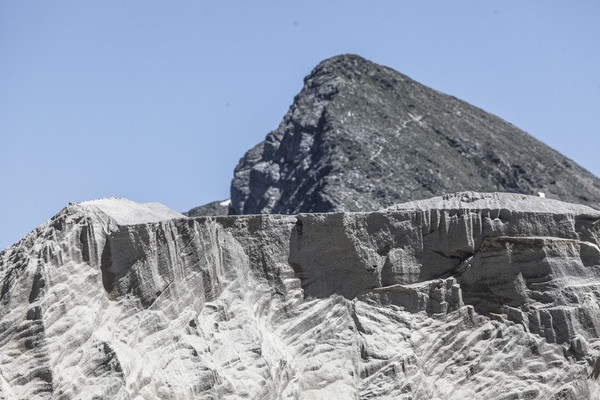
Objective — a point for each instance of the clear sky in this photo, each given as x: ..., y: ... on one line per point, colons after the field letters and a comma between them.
x: 158, y: 100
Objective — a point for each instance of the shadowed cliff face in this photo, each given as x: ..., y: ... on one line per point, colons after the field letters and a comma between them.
x: 360, y: 137
x: 441, y: 298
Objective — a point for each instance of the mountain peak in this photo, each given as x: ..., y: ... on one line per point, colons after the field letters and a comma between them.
x: 343, y: 62
x: 360, y: 137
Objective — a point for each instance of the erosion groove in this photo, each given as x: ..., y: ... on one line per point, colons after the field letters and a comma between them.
x: 472, y: 295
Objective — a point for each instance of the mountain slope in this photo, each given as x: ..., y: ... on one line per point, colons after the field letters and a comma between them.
x: 360, y: 137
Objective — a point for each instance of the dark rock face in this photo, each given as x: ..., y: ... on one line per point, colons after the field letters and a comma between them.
x: 360, y: 137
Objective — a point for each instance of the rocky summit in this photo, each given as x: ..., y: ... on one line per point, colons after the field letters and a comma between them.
x: 360, y: 136
x: 465, y: 296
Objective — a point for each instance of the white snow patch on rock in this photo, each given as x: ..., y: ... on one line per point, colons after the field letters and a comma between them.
x: 225, y: 203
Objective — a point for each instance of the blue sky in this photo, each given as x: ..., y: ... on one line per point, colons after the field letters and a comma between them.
x: 157, y: 101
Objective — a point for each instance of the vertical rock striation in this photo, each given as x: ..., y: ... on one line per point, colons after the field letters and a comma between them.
x: 463, y: 296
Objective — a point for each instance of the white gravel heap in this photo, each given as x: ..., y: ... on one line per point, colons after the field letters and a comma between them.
x: 469, y: 296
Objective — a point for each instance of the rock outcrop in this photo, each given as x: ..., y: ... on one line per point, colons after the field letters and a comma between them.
x: 483, y: 296
x: 360, y: 137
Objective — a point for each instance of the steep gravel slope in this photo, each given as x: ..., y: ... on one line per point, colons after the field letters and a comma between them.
x: 483, y: 296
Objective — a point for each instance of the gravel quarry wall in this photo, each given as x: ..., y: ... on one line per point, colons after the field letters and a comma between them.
x: 471, y: 295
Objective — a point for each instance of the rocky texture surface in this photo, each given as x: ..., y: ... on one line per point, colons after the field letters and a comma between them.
x: 360, y: 137
x: 482, y: 296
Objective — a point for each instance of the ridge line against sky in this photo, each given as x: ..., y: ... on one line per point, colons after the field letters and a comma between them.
x: 157, y: 102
